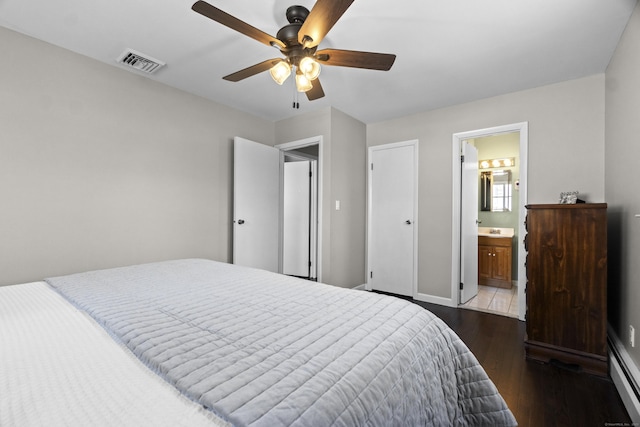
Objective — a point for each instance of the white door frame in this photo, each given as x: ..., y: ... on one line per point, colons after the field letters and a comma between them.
x: 523, y: 129
x: 413, y: 143
x: 293, y: 145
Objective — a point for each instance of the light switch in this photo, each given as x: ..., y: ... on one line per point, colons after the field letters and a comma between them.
x: 337, y: 205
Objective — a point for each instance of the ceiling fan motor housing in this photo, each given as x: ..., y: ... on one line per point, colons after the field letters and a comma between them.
x: 294, y: 51
x: 297, y: 14
x: 289, y: 34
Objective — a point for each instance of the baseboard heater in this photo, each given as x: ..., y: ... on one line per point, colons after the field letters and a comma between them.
x: 625, y: 376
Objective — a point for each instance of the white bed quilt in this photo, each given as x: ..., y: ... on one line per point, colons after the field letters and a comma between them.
x: 258, y: 348
x: 59, y: 368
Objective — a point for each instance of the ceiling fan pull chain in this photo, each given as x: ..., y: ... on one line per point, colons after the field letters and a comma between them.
x: 296, y: 104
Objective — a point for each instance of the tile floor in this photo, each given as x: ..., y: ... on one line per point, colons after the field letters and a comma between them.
x: 495, y: 300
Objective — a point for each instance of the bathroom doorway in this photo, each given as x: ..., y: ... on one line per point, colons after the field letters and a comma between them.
x: 499, y: 203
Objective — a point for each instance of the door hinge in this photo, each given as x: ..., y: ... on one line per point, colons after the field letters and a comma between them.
x: 310, y: 174
x: 371, y: 166
x: 461, y: 286
x: 371, y: 274
x: 462, y: 158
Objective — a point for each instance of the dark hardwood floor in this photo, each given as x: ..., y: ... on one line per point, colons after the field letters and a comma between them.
x: 537, y: 394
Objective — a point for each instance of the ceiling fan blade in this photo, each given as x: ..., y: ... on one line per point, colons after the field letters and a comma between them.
x: 316, y: 91
x: 212, y: 12
x: 356, y: 59
x: 322, y: 17
x: 251, y: 71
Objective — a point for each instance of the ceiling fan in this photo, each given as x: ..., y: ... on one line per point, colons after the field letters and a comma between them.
x: 298, y: 42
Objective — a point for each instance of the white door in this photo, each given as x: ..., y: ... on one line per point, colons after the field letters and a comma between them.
x: 392, y: 218
x: 256, y: 201
x: 469, y: 224
x: 296, y: 225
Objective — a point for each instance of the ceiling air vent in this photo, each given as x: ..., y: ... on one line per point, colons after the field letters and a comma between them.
x: 140, y: 61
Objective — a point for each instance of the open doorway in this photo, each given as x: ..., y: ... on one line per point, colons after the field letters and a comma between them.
x: 497, y: 204
x: 498, y: 207
x: 301, y: 213
x: 299, y: 225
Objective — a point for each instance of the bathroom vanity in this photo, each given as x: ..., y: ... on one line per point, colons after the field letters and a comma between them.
x: 494, y: 256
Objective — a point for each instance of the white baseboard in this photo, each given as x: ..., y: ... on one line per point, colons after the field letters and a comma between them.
x: 420, y: 297
x: 625, y: 375
x: 435, y: 300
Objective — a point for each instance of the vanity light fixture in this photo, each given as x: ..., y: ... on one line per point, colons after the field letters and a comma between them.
x: 497, y: 163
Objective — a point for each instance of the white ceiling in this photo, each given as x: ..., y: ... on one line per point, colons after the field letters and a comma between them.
x: 448, y: 51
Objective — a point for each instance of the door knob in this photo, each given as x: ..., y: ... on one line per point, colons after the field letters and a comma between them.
x: 241, y: 221
x: 408, y: 222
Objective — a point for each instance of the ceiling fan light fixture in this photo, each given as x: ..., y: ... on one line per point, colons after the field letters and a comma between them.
x: 280, y: 72
x: 303, y: 84
x: 309, y: 67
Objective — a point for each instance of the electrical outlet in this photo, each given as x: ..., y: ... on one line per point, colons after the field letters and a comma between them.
x: 632, y: 336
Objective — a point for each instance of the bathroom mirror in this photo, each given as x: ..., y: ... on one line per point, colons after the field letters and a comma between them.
x: 495, y: 191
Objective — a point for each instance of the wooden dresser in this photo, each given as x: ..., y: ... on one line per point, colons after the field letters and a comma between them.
x: 567, y: 285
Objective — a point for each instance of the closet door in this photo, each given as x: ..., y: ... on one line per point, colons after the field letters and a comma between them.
x: 392, y: 233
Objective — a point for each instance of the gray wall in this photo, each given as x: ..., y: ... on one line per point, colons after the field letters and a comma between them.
x: 622, y: 152
x: 349, y: 186
x: 100, y: 167
x: 566, y: 151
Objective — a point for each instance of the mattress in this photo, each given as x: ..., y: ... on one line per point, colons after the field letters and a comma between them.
x: 258, y: 348
x: 58, y: 367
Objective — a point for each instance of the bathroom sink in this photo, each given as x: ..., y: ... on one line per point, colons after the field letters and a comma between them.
x: 495, y: 232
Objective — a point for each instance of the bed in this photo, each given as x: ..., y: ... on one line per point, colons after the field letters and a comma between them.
x: 202, y: 343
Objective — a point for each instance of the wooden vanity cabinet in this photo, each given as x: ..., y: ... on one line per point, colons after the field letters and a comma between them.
x: 567, y: 285
x: 494, y: 261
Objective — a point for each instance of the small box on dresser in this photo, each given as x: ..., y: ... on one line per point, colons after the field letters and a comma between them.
x: 567, y: 285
